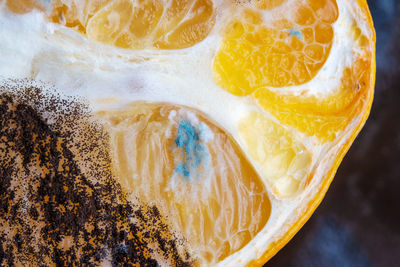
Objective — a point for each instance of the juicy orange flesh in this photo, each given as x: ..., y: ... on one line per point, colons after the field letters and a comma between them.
x: 22, y: 6
x: 289, y: 50
x: 137, y: 24
x: 283, y: 161
x: 325, y: 117
x: 269, y: 4
x: 194, y: 171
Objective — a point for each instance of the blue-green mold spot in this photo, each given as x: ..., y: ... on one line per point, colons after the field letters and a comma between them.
x: 193, y: 152
x: 296, y: 33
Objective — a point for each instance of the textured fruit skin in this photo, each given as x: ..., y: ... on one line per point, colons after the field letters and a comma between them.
x: 273, y: 248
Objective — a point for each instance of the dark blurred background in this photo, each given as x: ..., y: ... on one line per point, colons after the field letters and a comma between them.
x: 358, y: 222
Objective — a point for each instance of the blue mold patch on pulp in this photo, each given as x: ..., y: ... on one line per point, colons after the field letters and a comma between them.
x: 295, y: 33
x: 193, y: 153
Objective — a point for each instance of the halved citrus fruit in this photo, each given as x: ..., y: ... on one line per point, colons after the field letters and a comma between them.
x: 231, y: 117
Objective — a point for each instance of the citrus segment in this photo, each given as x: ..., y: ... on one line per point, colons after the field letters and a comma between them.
x: 323, y: 116
x: 194, y: 171
x: 22, y: 6
x: 75, y: 14
x: 269, y: 4
x: 111, y: 20
x: 137, y: 24
x: 289, y: 50
x: 284, y: 162
x: 198, y: 23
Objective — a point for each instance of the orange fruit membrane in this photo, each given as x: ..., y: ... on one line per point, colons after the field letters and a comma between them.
x: 229, y: 118
x: 141, y: 24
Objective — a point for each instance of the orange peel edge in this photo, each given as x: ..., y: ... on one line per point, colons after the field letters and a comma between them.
x: 276, y: 246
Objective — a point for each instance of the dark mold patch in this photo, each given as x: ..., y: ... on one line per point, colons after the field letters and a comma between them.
x: 60, y: 207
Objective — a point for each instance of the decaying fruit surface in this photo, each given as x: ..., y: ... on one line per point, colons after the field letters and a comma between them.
x: 229, y: 116
x: 194, y: 171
